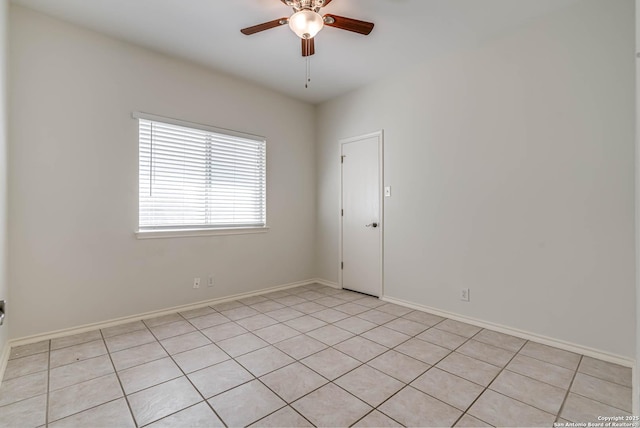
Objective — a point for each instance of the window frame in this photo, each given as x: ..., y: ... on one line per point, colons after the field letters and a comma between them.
x: 184, y: 232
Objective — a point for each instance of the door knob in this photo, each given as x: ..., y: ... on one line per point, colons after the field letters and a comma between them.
x: 371, y: 225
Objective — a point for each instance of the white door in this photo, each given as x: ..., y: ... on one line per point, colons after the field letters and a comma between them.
x: 361, y: 231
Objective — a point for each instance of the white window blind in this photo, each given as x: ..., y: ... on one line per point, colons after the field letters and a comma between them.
x: 195, y: 177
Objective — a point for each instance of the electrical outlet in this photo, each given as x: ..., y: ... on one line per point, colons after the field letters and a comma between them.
x: 210, y: 283
x: 196, y: 282
x: 464, y: 294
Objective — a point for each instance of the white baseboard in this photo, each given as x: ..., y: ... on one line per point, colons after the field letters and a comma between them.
x: 327, y: 283
x: 635, y: 388
x: 123, y: 320
x: 561, y: 344
x: 4, y: 359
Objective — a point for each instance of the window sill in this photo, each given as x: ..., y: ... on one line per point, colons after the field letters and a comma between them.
x: 189, y: 233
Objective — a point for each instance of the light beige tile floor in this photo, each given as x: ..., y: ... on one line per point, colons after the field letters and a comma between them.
x: 307, y: 356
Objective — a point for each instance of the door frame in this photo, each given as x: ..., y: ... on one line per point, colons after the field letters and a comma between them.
x: 380, y: 136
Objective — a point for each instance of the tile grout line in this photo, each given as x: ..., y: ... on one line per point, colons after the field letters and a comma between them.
x: 77, y: 383
x: 566, y: 396
x: 533, y: 378
x: 575, y: 373
x: 432, y: 366
x: 80, y: 361
x: 176, y: 412
x: 370, y: 412
x: 598, y: 401
x: 408, y: 384
x: 562, y: 367
x: 464, y: 412
x: 329, y: 381
x: 135, y: 365
x: 601, y: 379
x: 187, y: 378
x: 124, y: 395
x: 528, y: 404
x: 88, y: 408
x: 490, y: 383
x: 46, y: 393
x: 547, y: 362
x: 287, y: 404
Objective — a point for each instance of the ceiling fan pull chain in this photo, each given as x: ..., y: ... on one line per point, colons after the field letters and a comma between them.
x: 308, y: 75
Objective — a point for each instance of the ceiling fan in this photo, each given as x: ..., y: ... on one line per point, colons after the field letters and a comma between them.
x: 306, y: 22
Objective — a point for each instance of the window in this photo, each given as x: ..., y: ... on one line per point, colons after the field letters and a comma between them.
x: 199, y: 177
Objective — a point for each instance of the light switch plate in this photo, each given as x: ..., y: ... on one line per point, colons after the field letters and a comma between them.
x: 387, y: 191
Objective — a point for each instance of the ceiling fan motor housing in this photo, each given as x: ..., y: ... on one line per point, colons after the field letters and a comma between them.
x: 298, y: 5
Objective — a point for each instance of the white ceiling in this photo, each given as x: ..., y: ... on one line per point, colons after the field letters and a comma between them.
x: 207, y: 32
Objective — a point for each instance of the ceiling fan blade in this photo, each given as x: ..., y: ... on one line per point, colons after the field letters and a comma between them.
x: 308, y: 47
x: 326, y: 2
x: 360, y: 27
x: 264, y: 26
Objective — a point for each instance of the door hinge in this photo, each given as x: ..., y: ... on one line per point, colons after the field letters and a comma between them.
x: 341, y: 265
x: 342, y: 158
x: 342, y: 213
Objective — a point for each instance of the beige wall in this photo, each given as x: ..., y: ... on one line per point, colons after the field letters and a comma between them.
x: 73, y: 202
x: 512, y: 174
x: 4, y: 286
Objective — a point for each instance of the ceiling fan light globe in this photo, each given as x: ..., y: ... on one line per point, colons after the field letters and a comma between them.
x: 306, y: 23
